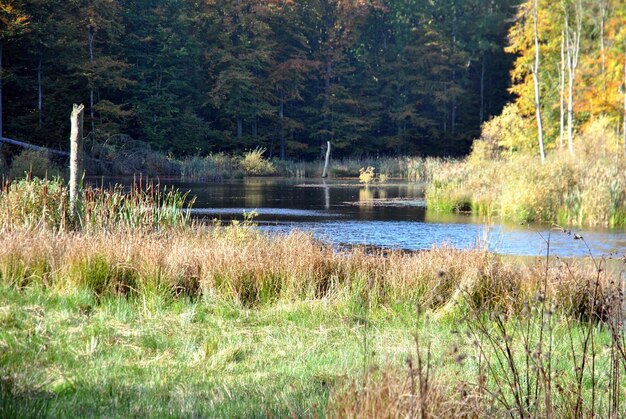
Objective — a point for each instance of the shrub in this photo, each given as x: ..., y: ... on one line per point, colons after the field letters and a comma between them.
x: 35, y: 163
x: 253, y: 163
x: 367, y: 176
x: 506, y: 133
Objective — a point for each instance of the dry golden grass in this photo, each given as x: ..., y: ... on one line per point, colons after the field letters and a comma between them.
x: 241, y: 264
x: 396, y: 393
x: 571, y: 191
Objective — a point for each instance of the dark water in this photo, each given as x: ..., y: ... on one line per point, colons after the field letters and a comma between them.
x: 392, y: 215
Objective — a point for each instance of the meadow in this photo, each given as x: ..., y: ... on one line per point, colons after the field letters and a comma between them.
x: 130, y: 308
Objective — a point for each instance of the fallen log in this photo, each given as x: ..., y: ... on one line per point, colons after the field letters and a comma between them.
x: 34, y: 147
x: 46, y: 149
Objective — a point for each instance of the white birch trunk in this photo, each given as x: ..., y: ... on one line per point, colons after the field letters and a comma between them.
x: 562, y: 93
x: 536, y: 83
x: 1, y: 69
x: 603, y: 11
x: 573, y: 48
x: 624, y: 117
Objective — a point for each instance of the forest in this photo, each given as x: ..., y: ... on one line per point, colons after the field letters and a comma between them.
x: 375, y: 77
x: 188, y: 77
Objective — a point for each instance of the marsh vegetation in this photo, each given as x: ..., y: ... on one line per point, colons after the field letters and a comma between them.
x: 144, y: 312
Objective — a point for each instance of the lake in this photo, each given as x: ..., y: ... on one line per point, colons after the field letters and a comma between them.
x: 393, y: 215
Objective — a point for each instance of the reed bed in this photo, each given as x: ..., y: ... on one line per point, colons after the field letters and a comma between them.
x: 35, y: 203
x: 580, y: 192
x: 238, y: 263
x: 221, y: 166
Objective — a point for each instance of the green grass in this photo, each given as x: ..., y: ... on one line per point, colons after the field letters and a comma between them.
x: 83, y: 355
x: 77, y: 356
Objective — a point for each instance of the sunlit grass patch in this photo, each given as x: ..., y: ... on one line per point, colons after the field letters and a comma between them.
x: 566, y: 191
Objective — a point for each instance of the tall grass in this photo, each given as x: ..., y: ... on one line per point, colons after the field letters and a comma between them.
x: 253, y: 163
x: 212, y: 167
x: 42, y: 203
x: 541, y: 361
x: 238, y: 263
x: 564, y: 190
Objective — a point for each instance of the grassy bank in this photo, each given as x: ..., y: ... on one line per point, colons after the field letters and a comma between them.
x: 141, y: 312
x: 227, y: 321
x: 567, y: 191
x: 221, y: 166
x: 254, y: 163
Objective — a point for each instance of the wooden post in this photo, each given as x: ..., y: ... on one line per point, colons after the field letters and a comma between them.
x: 325, y: 173
x: 76, y: 155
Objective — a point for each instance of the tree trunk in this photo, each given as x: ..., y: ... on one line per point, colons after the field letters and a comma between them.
x: 453, y: 107
x: 90, y: 36
x: 76, y: 157
x: 573, y: 47
x: 281, y: 114
x: 46, y: 149
x: 34, y: 147
x: 40, y: 92
x: 536, y: 83
x: 255, y: 127
x: 562, y: 93
x: 603, y: 11
x: 239, y: 127
x: 1, y: 70
x: 325, y: 172
x: 624, y: 121
x: 482, y: 90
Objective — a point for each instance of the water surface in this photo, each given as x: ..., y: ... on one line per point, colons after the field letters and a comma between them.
x: 394, y: 215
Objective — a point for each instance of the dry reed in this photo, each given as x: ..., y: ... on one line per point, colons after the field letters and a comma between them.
x: 242, y: 264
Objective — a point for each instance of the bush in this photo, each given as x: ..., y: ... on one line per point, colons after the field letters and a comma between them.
x: 253, y: 163
x: 36, y: 163
x: 504, y: 134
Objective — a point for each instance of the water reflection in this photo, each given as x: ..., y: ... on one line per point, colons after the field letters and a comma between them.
x: 326, y: 195
x: 392, y: 215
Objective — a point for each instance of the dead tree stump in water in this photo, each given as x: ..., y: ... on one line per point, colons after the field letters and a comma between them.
x: 325, y: 173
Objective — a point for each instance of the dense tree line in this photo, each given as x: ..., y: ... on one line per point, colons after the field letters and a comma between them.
x: 199, y: 76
